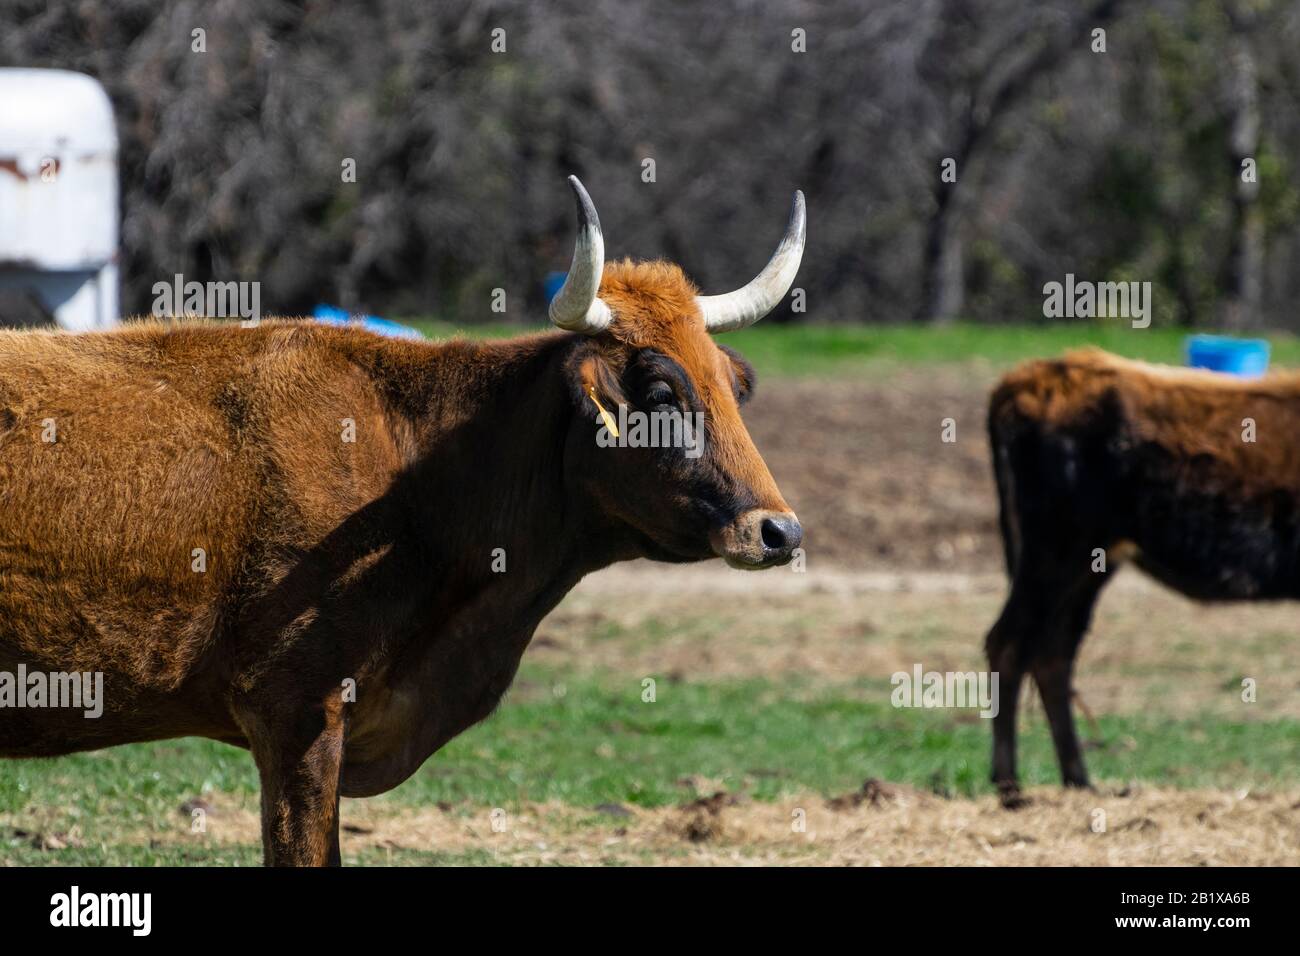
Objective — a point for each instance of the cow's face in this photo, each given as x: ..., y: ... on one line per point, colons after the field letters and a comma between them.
x: 683, y: 473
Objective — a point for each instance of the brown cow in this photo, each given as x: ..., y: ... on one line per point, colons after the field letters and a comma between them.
x: 1193, y: 476
x: 181, y: 510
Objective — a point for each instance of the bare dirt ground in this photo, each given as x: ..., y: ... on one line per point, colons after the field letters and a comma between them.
x: 878, y: 825
x: 863, y: 463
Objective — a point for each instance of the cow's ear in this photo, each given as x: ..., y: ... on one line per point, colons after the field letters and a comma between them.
x: 742, y: 374
x: 593, y: 374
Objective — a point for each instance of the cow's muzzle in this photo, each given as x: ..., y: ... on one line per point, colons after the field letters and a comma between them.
x: 758, y: 539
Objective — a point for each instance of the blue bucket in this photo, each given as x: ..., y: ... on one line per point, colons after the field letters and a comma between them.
x: 1246, y: 358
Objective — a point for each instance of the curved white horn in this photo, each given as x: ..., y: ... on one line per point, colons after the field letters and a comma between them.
x: 745, y: 306
x: 576, y: 306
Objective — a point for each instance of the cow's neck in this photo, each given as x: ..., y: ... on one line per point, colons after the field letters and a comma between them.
x: 488, y: 461
x: 496, y: 531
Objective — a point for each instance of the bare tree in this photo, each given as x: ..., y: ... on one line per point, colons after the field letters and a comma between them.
x: 991, y: 72
x: 1240, y: 305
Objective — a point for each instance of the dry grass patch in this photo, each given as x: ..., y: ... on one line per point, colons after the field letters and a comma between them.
x: 880, y: 825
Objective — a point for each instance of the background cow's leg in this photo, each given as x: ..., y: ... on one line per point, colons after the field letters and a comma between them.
x: 1053, y: 669
x: 299, y: 759
x: 1040, y: 629
x: 1006, y: 657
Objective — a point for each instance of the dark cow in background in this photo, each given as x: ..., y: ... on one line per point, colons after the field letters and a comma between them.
x: 1193, y: 476
x: 323, y: 561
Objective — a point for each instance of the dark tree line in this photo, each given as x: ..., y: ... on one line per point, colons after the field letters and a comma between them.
x: 1123, y: 164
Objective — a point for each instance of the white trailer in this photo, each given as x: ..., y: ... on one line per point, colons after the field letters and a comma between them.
x: 58, y: 200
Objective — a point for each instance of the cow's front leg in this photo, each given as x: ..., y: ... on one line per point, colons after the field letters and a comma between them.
x: 299, y: 757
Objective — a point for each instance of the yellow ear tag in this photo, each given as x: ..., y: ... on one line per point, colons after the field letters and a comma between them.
x: 605, y: 416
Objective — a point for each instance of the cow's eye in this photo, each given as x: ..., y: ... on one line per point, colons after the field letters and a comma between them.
x: 659, y: 393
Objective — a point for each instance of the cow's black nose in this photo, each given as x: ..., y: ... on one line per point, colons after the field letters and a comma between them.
x: 758, y: 539
x: 781, y: 533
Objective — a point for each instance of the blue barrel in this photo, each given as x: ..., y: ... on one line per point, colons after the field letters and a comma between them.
x: 332, y: 315
x: 1246, y: 358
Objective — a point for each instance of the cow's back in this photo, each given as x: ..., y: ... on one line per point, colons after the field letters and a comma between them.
x: 1197, y: 474
x: 154, y: 479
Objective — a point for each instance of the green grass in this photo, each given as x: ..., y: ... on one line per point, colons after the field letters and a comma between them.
x: 600, y: 743
x: 807, y: 350
x: 585, y: 741
x: 597, y: 742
